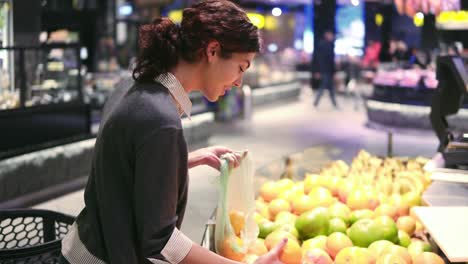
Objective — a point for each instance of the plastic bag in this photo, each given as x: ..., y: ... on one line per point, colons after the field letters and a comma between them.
x: 237, y: 203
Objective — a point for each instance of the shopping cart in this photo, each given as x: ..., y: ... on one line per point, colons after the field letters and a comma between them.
x: 32, y: 236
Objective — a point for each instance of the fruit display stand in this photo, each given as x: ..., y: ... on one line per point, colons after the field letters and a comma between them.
x: 442, y: 193
x: 447, y: 227
x: 446, y: 217
x: 335, y: 212
x: 450, y: 175
x: 402, y: 98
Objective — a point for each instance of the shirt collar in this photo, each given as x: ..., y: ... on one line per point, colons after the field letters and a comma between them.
x: 182, y: 100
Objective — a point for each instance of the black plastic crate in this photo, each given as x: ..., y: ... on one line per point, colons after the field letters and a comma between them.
x: 32, y: 236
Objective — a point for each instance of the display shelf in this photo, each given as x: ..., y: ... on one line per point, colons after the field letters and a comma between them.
x: 317, y: 160
x: 442, y: 193
x: 47, y: 80
x: 449, y: 186
x: 399, y: 115
x: 447, y: 227
x: 450, y: 175
x: 403, y: 97
x: 271, y: 69
x: 261, y: 96
x: 45, y: 74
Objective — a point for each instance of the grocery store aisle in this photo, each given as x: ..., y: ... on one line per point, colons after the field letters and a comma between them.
x: 275, y: 131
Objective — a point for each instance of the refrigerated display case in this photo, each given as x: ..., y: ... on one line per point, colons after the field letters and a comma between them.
x: 8, y: 98
x: 273, y: 78
x: 271, y: 69
x: 43, y: 105
x: 401, y: 98
x: 44, y: 75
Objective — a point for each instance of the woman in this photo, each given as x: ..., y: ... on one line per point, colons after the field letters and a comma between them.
x: 137, y: 191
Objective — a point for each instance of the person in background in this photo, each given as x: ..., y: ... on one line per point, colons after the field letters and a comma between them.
x: 453, y: 50
x: 401, y: 52
x: 418, y: 58
x: 392, y: 49
x: 371, y: 55
x: 136, y: 195
x: 371, y: 60
x: 353, y: 72
x: 325, y: 56
x: 106, y: 55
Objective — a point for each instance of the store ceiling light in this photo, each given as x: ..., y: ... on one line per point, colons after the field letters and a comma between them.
x: 84, y: 53
x: 176, y: 16
x: 272, y: 47
x: 355, y: 2
x: 308, y: 41
x: 418, y: 19
x: 271, y: 23
x: 298, y: 44
x: 453, y: 20
x: 125, y: 10
x: 276, y: 11
x: 257, y: 19
x: 43, y: 37
x: 379, y: 19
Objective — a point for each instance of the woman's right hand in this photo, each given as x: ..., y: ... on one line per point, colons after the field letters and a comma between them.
x: 273, y: 257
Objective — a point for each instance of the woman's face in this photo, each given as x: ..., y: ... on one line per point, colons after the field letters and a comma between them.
x: 221, y: 74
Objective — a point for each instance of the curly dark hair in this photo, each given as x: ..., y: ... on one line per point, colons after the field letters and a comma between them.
x: 163, y: 43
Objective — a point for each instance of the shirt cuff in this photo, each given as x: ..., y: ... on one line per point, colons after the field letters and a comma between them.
x: 177, y: 247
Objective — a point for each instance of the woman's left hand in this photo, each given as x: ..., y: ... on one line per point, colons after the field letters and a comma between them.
x: 211, y: 156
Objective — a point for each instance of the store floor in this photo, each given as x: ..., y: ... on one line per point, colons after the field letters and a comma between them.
x: 275, y: 131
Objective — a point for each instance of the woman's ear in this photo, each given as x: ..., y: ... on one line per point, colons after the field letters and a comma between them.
x: 212, y: 50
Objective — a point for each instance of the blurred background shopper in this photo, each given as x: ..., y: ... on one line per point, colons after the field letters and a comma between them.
x: 326, y: 65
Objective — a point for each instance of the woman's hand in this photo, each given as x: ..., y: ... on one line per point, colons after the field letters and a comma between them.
x: 273, y: 257
x: 211, y: 156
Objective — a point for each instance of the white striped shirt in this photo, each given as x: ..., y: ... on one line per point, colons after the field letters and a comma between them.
x: 179, y: 245
x: 182, y: 100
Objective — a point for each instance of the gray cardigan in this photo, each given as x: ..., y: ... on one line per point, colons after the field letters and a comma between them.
x: 137, y: 191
